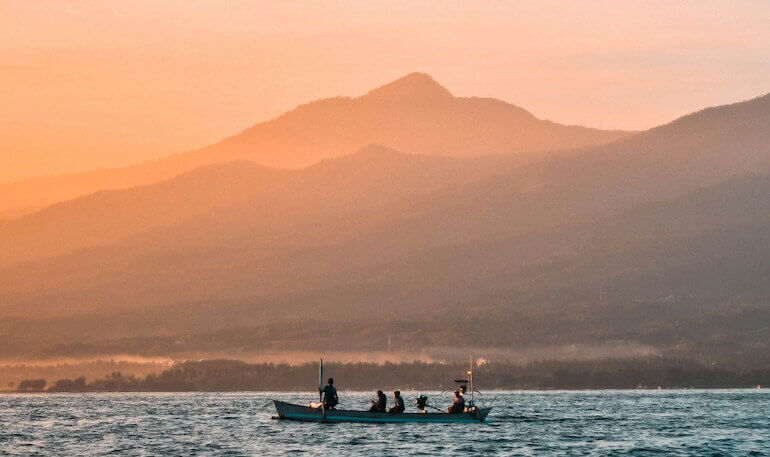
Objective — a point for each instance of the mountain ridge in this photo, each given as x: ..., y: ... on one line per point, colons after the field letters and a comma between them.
x: 412, y: 114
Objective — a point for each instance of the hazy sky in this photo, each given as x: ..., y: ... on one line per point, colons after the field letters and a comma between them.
x: 100, y: 83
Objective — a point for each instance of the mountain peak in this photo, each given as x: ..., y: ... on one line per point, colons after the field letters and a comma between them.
x: 411, y: 86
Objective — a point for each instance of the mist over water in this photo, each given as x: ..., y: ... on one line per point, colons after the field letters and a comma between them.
x: 683, y: 422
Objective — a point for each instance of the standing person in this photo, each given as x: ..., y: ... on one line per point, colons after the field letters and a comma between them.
x: 330, y: 395
x: 398, y: 403
x: 379, y: 404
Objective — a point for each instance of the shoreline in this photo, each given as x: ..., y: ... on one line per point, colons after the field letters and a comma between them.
x: 237, y: 376
x: 312, y: 392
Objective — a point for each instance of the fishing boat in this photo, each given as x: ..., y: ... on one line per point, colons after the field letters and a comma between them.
x: 316, y: 413
x: 306, y: 413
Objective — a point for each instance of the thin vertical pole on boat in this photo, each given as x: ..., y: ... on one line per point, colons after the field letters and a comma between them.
x: 321, y: 381
x: 470, y: 375
x: 321, y: 386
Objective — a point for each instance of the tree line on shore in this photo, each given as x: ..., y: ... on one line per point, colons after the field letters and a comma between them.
x: 234, y: 375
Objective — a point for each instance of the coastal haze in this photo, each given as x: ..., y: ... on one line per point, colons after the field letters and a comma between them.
x: 402, y: 220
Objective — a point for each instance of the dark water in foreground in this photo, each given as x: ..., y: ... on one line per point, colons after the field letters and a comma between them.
x: 606, y: 423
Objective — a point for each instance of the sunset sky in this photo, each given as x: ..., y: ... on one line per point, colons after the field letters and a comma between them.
x: 87, y: 84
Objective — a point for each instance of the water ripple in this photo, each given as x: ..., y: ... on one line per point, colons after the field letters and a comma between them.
x: 588, y: 423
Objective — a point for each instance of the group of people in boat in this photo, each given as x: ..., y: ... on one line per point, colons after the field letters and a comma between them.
x: 379, y: 404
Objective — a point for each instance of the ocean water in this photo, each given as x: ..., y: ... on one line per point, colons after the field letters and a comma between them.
x: 601, y: 423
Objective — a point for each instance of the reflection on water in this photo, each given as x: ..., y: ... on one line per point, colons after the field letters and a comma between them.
x: 523, y: 423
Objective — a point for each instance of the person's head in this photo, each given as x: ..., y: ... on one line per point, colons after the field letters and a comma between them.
x: 379, y: 392
x: 331, y: 381
x: 397, y: 394
x: 457, y: 393
x: 463, y: 388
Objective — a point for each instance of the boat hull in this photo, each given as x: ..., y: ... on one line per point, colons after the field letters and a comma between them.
x: 305, y: 413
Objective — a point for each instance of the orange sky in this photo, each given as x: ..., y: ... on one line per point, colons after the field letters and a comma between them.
x: 88, y: 84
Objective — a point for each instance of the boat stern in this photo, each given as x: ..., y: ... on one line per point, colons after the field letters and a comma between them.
x: 482, y: 413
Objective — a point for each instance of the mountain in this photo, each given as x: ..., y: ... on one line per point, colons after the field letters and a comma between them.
x: 110, y: 215
x: 693, y: 293
x: 658, y: 239
x: 413, y: 114
x: 373, y: 175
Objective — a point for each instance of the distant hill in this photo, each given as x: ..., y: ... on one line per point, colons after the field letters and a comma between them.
x: 658, y: 240
x: 413, y: 114
x: 375, y: 175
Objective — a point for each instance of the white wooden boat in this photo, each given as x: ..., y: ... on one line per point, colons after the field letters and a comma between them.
x: 305, y: 413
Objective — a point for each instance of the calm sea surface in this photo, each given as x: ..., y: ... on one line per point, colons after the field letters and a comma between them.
x: 606, y: 423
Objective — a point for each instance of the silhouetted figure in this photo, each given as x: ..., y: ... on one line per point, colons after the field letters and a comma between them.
x: 379, y: 404
x: 421, y: 402
x: 330, y: 395
x: 459, y: 404
x: 463, y: 390
x: 398, y: 403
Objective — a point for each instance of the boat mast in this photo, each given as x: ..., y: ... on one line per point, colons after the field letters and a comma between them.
x: 470, y: 375
x: 320, y: 380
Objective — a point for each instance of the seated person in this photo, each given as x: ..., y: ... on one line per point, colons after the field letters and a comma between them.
x: 379, y: 404
x: 330, y: 399
x: 398, y: 402
x: 421, y: 402
x: 463, y: 389
x: 459, y: 404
